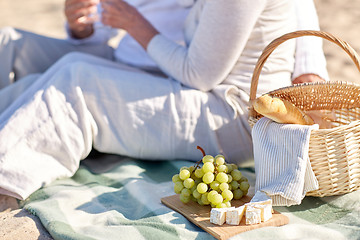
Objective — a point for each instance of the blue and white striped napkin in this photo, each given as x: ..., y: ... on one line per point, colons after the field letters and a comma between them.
x: 282, y: 166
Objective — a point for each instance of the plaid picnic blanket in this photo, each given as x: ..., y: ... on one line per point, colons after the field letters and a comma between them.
x: 113, y: 197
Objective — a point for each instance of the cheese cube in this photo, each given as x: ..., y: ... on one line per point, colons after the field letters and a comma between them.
x: 218, y: 216
x: 252, y: 215
x: 266, y: 211
x: 234, y: 216
x: 262, y: 202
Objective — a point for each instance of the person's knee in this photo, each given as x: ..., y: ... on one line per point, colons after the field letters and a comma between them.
x: 75, y: 67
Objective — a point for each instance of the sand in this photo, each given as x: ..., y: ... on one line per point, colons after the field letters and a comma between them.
x: 340, y: 18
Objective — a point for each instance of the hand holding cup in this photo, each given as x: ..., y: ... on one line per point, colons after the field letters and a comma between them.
x: 80, y: 15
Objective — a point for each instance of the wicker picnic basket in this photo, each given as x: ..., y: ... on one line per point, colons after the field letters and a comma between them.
x: 334, y: 152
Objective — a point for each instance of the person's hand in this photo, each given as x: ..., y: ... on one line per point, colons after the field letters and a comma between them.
x: 76, y: 12
x: 308, y: 78
x: 120, y: 14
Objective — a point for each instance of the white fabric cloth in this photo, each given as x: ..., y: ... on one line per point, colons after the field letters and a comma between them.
x: 309, y: 57
x: 282, y: 165
x: 23, y: 53
x: 69, y: 110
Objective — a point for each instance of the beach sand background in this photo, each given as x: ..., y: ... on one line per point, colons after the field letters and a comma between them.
x: 341, y: 18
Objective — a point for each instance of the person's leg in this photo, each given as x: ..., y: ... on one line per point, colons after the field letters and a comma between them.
x: 10, y: 93
x: 76, y: 105
x: 23, y: 53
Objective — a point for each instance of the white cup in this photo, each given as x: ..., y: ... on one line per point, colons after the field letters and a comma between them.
x: 95, y: 15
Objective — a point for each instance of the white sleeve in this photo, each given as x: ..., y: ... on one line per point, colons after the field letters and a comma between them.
x: 214, y: 49
x: 309, y: 56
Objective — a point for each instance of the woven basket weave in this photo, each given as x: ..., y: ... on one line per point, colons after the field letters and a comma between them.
x: 334, y: 152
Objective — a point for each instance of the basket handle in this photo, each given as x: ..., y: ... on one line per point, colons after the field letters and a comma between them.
x: 275, y: 43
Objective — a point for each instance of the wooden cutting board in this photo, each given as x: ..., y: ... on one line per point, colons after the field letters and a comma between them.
x: 200, y: 216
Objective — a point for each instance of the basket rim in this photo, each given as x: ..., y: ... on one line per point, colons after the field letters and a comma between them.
x: 310, y: 84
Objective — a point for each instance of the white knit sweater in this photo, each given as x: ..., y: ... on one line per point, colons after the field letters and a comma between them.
x: 223, y: 47
x: 309, y: 55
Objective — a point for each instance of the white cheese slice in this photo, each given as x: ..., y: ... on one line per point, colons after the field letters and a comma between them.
x: 252, y: 215
x: 218, y: 216
x: 266, y: 212
x: 234, y: 216
x: 264, y: 203
x: 261, y: 198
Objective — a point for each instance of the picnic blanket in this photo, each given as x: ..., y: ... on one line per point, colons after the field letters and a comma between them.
x: 114, y: 197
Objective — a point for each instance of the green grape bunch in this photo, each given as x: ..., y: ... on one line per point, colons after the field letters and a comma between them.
x: 211, y: 181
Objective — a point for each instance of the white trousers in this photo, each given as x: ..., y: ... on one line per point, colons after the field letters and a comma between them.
x: 23, y: 53
x: 83, y: 102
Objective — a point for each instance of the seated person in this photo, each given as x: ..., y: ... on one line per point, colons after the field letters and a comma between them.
x: 84, y: 102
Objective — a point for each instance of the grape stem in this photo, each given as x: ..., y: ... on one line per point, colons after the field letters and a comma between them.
x: 202, y: 150
x: 198, y: 162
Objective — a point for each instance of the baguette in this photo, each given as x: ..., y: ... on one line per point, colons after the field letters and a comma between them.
x: 281, y: 111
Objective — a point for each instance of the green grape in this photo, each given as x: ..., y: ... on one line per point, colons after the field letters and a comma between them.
x: 204, y: 199
x: 199, y: 173
x: 208, y: 158
x: 184, y: 199
x: 178, y: 186
x: 234, y: 185
x: 221, y: 205
x: 238, y: 193
x: 227, y: 195
x: 211, y: 195
x: 229, y: 178
x: 200, y: 202
x: 217, y: 199
x: 196, y: 194
x: 230, y: 168
x: 222, y: 177
x: 208, y: 177
x: 184, y: 174
x: 236, y: 175
x: 243, y: 179
x: 215, y: 185
x: 192, y: 175
x: 224, y: 186
x: 197, y: 181
x: 234, y: 166
x: 185, y: 192
x: 189, y: 183
x: 208, y: 167
x: 220, y: 160
x: 244, y: 186
x: 222, y: 168
x: 224, y: 180
x: 176, y: 178
x: 183, y: 168
x: 245, y: 192
x: 202, y: 188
